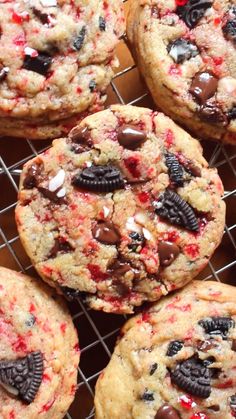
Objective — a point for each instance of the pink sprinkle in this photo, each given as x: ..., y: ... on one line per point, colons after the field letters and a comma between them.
x: 63, y: 327
x: 169, y: 138
x: 19, y: 40
x: 175, y: 70
x: 131, y: 163
x: 187, y: 402
x: 192, y: 250
x: 143, y: 197
x: 19, y: 345
x: 96, y: 273
x: 47, y: 406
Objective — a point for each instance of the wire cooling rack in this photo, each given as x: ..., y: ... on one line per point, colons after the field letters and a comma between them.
x: 98, y: 331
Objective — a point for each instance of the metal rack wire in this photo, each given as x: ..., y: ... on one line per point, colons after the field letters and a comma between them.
x: 98, y: 331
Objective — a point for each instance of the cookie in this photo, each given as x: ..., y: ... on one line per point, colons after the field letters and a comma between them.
x: 56, y: 61
x: 122, y: 211
x: 186, y: 53
x: 39, y: 351
x: 175, y: 360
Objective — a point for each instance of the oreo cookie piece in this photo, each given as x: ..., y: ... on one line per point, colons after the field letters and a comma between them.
x: 193, y: 11
x: 39, y: 63
x: 193, y: 377
x: 99, y: 179
x: 174, y: 347
x: 71, y: 294
x: 232, y: 402
x: 78, y: 42
x: 172, y: 207
x: 182, y: 50
x: 23, y: 376
x: 217, y: 326
x: 175, y: 170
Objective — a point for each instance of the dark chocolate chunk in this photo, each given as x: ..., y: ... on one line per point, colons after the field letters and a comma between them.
x: 217, y: 326
x: 80, y: 138
x: 234, y: 345
x: 119, y: 268
x: 182, y: 50
x: 92, y: 85
x: 193, y: 377
x: 148, y: 396
x: 24, y: 375
x: 31, y: 320
x: 130, y: 137
x: 192, y: 168
x: 32, y: 176
x: 173, y: 208
x: 175, y: 169
x: 60, y: 246
x: 52, y: 196
x: 78, y: 42
x: 232, y: 402
x: 211, y: 113
x: 102, y: 23
x: 167, y: 412
x: 106, y: 232
x: 43, y: 17
x: 214, y: 407
x: 70, y: 293
x: 204, y: 86
x: 153, y: 368
x: 168, y: 252
x: 174, y: 347
x: 39, y: 64
x: 193, y: 11
x: 137, y: 241
x: 122, y: 288
x: 3, y: 72
x: 99, y: 179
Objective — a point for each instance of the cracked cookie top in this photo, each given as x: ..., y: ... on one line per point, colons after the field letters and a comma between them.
x: 122, y: 211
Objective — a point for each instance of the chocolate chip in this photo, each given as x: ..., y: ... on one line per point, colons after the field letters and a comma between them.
x: 121, y: 288
x: 39, y: 64
x: 214, y: 326
x: 70, y: 293
x: 193, y: 377
x: 32, y: 176
x: 172, y: 207
x: 119, y: 268
x: 24, y: 375
x: 204, y: 86
x: 211, y: 113
x: 234, y: 345
x: 80, y: 137
x: 78, y: 42
x: 153, y: 368
x: 130, y: 137
x: 92, y: 85
x: 60, y: 246
x: 148, y: 396
x: 137, y: 241
x: 52, y: 196
x: 181, y: 50
x: 175, y: 169
x: 193, y: 11
x: 43, y: 17
x: 204, y: 346
x: 168, y: 252
x: 106, y: 233
x: 167, y: 412
x: 99, y: 179
x: 214, y: 407
x: 174, y: 347
x: 3, y: 72
x: 102, y: 23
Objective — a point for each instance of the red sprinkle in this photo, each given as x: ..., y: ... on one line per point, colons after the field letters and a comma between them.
x: 79, y: 90
x: 46, y: 377
x: 12, y: 414
x: 47, y: 406
x: 187, y: 402
x: 143, y: 197
x: 131, y: 164
x: 199, y: 416
x: 19, y: 18
x: 175, y: 70
x: 192, y: 250
x: 19, y: 345
x: 32, y: 308
x: 217, y: 21
x: 218, y: 60
x: 19, y: 40
x: 226, y: 384
x: 181, y: 2
x: 63, y: 327
x: 96, y: 273
x: 169, y: 138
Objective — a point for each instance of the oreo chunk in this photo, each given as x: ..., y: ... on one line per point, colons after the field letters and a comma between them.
x: 182, y: 50
x: 175, y: 170
x: 232, y: 113
x: 174, y: 347
x: 99, y: 179
x: 193, y: 377
x: 148, y: 396
x: 153, y: 368
x: 92, y: 85
x: 229, y: 29
x: 39, y: 64
x: 78, y: 42
x: 23, y: 375
x: 232, y: 402
x: 60, y: 246
x: 32, y: 176
x: 173, y: 208
x: 193, y: 11
x: 137, y: 241
x: 102, y: 23
x: 71, y: 294
x: 214, y: 326
x: 3, y: 72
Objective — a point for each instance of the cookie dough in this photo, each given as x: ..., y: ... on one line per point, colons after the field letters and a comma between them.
x: 175, y: 360
x: 122, y: 211
x: 56, y: 61
x: 39, y: 351
x: 185, y: 50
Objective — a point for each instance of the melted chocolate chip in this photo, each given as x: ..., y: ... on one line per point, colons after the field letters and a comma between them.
x: 204, y: 86
x: 153, y: 368
x: 32, y: 176
x: 130, y: 137
x: 167, y: 412
x: 234, y: 345
x: 106, y: 232
x: 214, y: 407
x: 24, y: 375
x: 102, y: 23
x: 3, y: 72
x: 52, y: 196
x: 60, y: 246
x: 182, y: 50
x: 43, y: 17
x: 78, y: 42
x: 39, y: 64
x: 211, y: 113
x: 204, y: 346
x: 193, y: 11
x: 119, y: 268
x: 79, y: 136
x: 99, y: 179
x: 192, y: 168
x: 168, y: 252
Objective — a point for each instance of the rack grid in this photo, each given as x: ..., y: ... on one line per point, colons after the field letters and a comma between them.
x: 98, y: 331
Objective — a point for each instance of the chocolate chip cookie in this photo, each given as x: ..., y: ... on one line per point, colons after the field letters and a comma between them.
x: 39, y: 351
x: 185, y: 50
x: 175, y: 360
x: 122, y: 211
x: 56, y: 61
